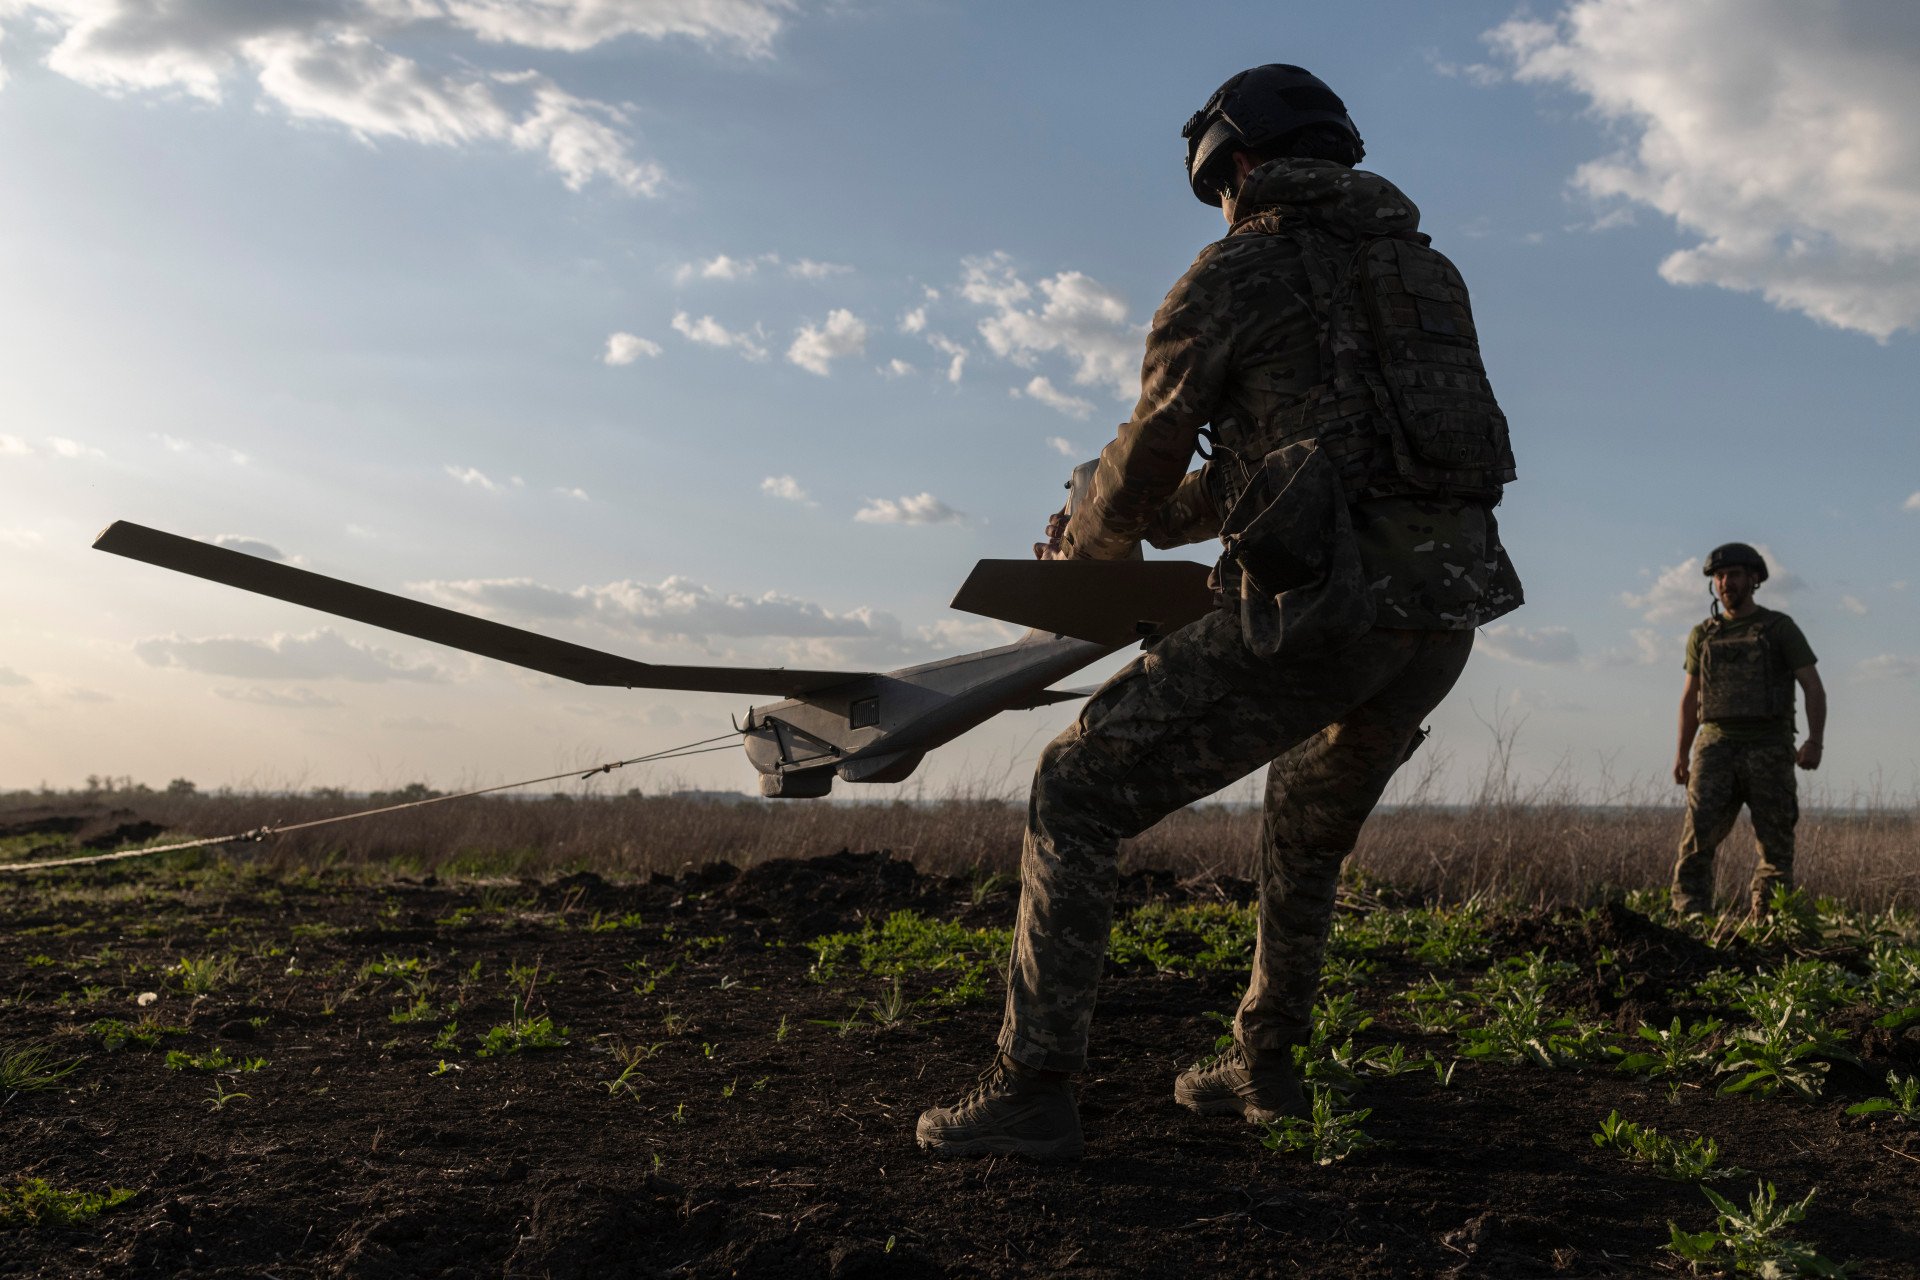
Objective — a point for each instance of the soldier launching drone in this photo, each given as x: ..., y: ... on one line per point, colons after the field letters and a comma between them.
x: 1736, y: 731
x: 1323, y: 358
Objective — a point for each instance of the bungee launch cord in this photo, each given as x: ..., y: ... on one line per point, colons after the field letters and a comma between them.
x: 261, y: 833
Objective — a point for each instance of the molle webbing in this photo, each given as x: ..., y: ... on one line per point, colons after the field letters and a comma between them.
x: 1402, y: 404
x: 1742, y: 676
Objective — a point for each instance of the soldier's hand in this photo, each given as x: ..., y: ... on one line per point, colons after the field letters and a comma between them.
x: 1809, y: 757
x: 1681, y: 772
x: 1056, y: 529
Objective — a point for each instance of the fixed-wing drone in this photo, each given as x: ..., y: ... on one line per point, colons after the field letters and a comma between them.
x: 858, y: 726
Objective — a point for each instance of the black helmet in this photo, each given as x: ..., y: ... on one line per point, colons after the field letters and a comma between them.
x: 1257, y: 107
x: 1729, y: 555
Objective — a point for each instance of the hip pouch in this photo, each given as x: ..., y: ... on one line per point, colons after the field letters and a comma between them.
x: 1289, y: 540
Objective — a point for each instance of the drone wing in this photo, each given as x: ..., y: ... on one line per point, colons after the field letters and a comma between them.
x: 1110, y: 602
x: 445, y: 626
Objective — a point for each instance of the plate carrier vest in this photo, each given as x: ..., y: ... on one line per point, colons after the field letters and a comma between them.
x: 1742, y: 676
x: 1402, y: 404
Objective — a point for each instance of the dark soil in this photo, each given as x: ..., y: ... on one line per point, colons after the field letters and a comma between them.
x: 744, y: 1152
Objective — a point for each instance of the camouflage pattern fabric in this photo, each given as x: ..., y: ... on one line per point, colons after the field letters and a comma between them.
x: 1190, y: 716
x: 1723, y: 776
x: 1236, y: 340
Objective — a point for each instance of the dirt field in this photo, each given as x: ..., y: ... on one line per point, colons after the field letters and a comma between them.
x: 355, y: 1074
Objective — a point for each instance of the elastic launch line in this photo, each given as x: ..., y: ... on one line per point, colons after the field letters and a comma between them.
x: 261, y: 833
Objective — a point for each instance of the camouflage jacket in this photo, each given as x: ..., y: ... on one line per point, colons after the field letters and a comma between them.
x: 1238, y: 337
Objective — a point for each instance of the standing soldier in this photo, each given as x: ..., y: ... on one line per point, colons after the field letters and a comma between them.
x: 1357, y: 452
x: 1736, y: 731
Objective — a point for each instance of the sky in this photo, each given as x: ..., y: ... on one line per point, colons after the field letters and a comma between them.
x: 735, y: 331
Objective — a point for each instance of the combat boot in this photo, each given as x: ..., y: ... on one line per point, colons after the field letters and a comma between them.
x: 1014, y: 1110
x: 1258, y: 1088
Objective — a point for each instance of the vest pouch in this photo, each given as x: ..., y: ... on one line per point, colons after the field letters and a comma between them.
x: 1290, y: 541
x: 1738, y: 676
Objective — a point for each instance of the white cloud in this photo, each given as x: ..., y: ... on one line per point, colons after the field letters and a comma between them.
x: 955, y: 353
x: 1684, y: 591
x: 1043, y: 390
x: 922, y: 508
x: 1781, y: 134
x: 897, y: 368
x: 1649, y: 649
x: 720, y: 267
x: 1548, y: 646
x: 14, y: 446
x: 578, y: 495
x: 625, y: 348
x: 21, y: 538
x: 1479, y: 74
x: 1679, y: 591
x: 1911, y: 504
x: 1889, y: 666
x: 9, y: 678
x: 474, y: 478
x: 248, y: 546
x: 815, y: 348
x: 677, y: 607
x: 1854, y: 605
x: 1079, y: 318
x: 65, y: 448
x: 333, y: 61
x: 319, y: 655
x: 783, y: 487
x: 914, y: 321
x: 808, y: 269
x: 1063, y: 446
x: 709, y: 332
x: 297, y: 698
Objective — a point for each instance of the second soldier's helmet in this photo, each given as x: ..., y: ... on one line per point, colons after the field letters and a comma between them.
x: 1259, y: 106
x: 1731, y: 554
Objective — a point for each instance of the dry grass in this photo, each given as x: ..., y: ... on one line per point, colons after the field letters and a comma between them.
x: 1549, y: 844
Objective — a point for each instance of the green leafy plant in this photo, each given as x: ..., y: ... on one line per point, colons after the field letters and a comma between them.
x: 214, y: 1059
x: 1674, y: 1051
x: 1326, y: 1134
x: 1790, y: 1048
x: 907, y: 943
x: 1693, y: 1162
x: 1904, y: 1102
x: 38, y: 1203
x: 1520, y: 1024
x: 520, y: 1033
x: 1753, y: 1240
x: 222, y: 1096
x: 198, y: 977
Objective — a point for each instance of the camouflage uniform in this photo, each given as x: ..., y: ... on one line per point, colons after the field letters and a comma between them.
x: 1743, y: 760
x: 1236, y: 340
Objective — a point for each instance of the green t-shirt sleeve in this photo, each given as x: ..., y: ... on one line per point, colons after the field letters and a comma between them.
x: 1693, y: 649
x: 1793, y: 645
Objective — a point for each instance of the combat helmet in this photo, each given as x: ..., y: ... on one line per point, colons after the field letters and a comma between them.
x: 1729, y: 555
x: 1257, y: 107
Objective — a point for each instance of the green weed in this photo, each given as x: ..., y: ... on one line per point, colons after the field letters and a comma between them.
x: 1904, y: 1102
x: 31, y: 1067
x: 1520, y: 1024
x: 214, y: 1059
x: 1326, y: 1134
x: 1693, y: 1162
x: 1753, y: 1240
x: 222, y: 1096
x: 907, y: 943
x: 521, y: 1033
x: 205, y: 975
x: 37, y: 1203
x: 1676, y: 1051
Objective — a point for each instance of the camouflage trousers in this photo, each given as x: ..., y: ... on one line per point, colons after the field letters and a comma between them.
x: 1723, y: 776
x: 1190, y: 716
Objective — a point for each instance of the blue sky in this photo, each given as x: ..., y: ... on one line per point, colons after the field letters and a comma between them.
x: 736, y: 330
